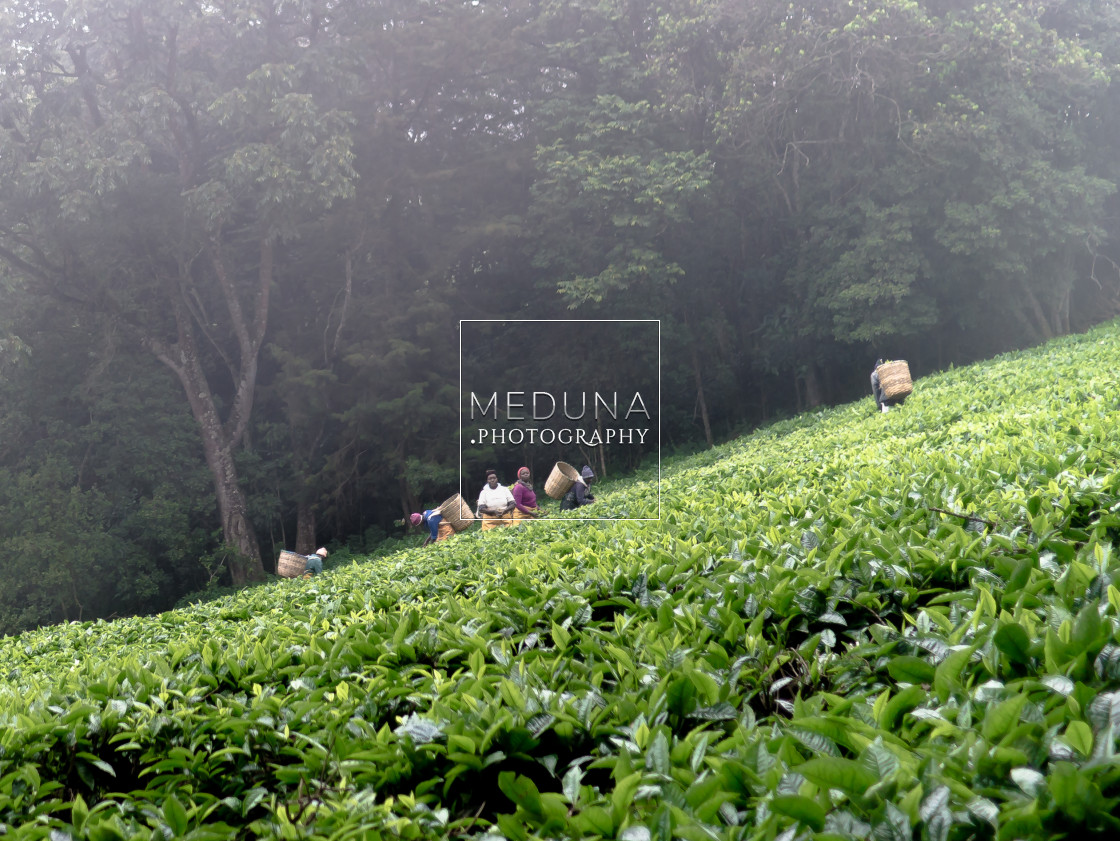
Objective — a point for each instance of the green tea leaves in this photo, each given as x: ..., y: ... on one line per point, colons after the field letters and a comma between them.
x: 832, y: 631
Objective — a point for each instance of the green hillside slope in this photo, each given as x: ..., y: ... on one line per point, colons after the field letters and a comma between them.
x: 848, y: 624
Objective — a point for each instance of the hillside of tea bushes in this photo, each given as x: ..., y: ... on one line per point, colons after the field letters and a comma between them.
x: 845, y: 625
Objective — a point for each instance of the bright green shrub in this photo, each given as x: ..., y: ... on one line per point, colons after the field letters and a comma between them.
x: 845, y: 624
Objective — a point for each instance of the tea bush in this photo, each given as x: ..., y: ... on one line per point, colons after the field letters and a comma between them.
x: 845, y: 625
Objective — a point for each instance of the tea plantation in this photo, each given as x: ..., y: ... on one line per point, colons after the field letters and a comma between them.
x: 845, y: 625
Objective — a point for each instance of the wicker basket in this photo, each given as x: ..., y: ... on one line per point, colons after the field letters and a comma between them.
x: 291, y: 564
x: 561, y: 479
x: 456, y: 513
x: 894, y: 379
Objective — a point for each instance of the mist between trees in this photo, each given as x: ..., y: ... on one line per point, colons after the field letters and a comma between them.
x: 237, y: 238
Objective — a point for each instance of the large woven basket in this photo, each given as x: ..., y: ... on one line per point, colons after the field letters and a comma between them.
x: 561, y: 479
x: 291, y: 564
x: 894, y: 379
x: 456, y: 513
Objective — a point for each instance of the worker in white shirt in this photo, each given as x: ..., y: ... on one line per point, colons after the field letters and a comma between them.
x: 495, y: 503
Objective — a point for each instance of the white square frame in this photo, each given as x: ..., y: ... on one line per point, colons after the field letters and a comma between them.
x: 656, y: 321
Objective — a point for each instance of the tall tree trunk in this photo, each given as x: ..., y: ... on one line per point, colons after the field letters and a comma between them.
x: 602, y: 449
x: 304, y: 447
x: 305, y: 528
x: 1035, y: 315
x: 237, y: 531
x: 812, y: 387
x: 1064, y: 282
x: 217, y: 443
x: 700, y: 401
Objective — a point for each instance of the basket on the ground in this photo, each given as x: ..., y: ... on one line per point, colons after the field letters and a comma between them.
x: 456, y: 513
x: 561, y: 479
x: 894, y: 379
x: 291, y: 564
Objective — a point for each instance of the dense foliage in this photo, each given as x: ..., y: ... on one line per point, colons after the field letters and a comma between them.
x: 845, y: 625
x: 236, y: 237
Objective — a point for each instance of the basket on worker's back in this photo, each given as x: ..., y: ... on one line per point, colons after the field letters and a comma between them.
x: 894, y: 379
x: 561, y: 479
x: 456, y: 512
x: 291, y: 564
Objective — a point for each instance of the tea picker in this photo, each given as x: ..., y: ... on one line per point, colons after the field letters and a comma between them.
x: 451, y: 516
x: 295, y: 565
x: 432, y: 520
x: 315, y: 562
x: 495, y: 503
x: 890, y: 383
x: 580, y: 493
x: 524, y: 497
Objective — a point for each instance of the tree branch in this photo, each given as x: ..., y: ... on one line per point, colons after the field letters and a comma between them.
x: 347, y: 294
x: 86, y: 82
x: 988, y: 523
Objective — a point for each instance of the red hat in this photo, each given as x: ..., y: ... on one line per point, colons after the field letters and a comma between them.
x: 526, y: 469
x: 415, y: 519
